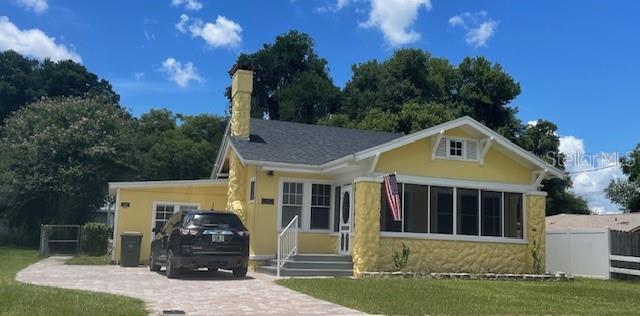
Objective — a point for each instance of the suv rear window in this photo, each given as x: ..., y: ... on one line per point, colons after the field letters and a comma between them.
x: 223, y: 221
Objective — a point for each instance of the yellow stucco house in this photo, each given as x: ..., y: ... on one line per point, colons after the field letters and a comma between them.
x: 470, y: 198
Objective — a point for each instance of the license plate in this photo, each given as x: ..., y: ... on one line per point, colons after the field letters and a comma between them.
x: 217, y: 238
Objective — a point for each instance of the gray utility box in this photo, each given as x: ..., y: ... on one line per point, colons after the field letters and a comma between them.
x: 130, y: 243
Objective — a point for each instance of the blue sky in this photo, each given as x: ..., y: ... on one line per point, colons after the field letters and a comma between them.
x: 576, y: 61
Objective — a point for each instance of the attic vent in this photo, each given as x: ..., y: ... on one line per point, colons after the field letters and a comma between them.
x: 470, y: 149
x: 471, y: 152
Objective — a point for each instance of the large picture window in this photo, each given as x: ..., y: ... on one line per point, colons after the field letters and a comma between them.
x: 438, y: 210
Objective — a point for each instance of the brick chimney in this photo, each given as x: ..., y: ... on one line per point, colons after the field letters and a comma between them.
x: 241, y: 89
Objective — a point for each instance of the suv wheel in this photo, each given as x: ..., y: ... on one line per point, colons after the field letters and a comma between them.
x: 153, y: 266
x: 240, y: 272
x: 172, y: 270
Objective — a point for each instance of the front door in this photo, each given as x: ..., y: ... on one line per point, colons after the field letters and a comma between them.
x: 346, y: 220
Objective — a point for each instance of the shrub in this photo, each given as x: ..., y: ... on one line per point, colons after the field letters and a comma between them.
x: 95, y: 238
x: 400, y: 259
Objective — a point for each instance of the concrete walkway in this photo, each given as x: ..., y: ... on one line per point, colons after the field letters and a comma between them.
x: 196, y: 293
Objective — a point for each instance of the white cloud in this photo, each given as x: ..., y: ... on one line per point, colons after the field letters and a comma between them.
x: 591, y: 173
x: 181, y: 74
x: 480, y: 28
x: 182, y: 24
x: 335, y: 7
x: 532, y: 123
x: 222, y: 33
x: 37, y: 6
x: 395, y: 18
x: 149, y: 36
x: 138, y: 75
x: 191, y: 5
x: 33, y: 42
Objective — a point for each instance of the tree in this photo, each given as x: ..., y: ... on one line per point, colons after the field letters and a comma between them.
x: 56, y: 157
x: 173, y: 146
x: 24, y: 80
x: 626, y: 192
x: 290, y: 64
x: 542, y: 140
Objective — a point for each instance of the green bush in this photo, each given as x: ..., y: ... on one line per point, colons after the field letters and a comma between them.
x: 95, y: 238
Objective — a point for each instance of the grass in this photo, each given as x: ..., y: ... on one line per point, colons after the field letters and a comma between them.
x: 24, y: 299
x: 85, y: 260
x: 466, y: 297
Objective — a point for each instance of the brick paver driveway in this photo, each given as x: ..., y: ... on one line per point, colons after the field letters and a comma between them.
x: 197, y: 293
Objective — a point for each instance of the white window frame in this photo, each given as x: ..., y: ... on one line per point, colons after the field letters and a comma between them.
x: 176, y: 208
x: 455, y: 235
x: 463, y: 140
x: 305, y: 218
x: 463, y: 149
x: 252, y: 183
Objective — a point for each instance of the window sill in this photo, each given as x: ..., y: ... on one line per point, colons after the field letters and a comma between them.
x: 486, y: 239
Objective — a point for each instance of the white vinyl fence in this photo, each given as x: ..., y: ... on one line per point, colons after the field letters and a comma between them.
x: 579, y: 252
x: 593, y: 253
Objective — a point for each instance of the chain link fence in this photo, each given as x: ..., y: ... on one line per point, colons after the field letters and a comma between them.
x: 60, y: 239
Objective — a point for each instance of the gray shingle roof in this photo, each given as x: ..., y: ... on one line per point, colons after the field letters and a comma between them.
x: 297, y: 143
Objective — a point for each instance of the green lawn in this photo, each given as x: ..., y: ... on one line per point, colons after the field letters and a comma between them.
x: 85, y: 260
x: 466, y: 297
x: 23, y: 299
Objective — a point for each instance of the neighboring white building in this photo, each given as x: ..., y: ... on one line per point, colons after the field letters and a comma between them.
x: 624, y: 222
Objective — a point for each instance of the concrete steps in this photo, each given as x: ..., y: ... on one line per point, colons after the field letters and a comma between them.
x: 312, y: 265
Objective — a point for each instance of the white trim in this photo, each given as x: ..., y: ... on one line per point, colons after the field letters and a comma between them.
x: 251, y: 201
x: 467, y: 184
x: 485, y: 149
x: 466, y: 120
x: 624, y: 258
x: 624, y: 271
x: 435, y: 145
x: 538, y: 180
x: 374, y: 163
x: 472, y: 238
x: 161, y: 184
x: 115, y: 226
x: 305, y: 214
x: 174, y: 204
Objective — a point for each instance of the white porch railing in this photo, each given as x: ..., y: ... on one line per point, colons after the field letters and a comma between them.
x: 287, y: 243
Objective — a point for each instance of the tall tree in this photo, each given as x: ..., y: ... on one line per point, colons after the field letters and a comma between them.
x: 626, y: 192
x: 171, y: 146
x: 24, y: 80
x: 542, y: 140
x: 56, y: 157
x: 285, y: 68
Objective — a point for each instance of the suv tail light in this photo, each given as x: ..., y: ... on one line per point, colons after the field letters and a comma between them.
x: 186, y: 231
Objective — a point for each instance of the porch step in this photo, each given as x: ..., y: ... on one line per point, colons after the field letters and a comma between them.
x: 312, y: 265
x: 304, y: 272
x: 323, y: 257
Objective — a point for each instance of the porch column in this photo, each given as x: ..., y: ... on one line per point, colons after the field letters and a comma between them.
x: 535, y: 208
x: 366, y: 234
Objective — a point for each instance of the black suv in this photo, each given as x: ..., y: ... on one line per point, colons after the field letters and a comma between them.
x: 196, y: 239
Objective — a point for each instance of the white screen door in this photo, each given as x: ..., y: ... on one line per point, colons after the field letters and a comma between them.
x: 346, y: 220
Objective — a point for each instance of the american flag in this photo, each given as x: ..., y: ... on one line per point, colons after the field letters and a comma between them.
x: 393, y: 196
